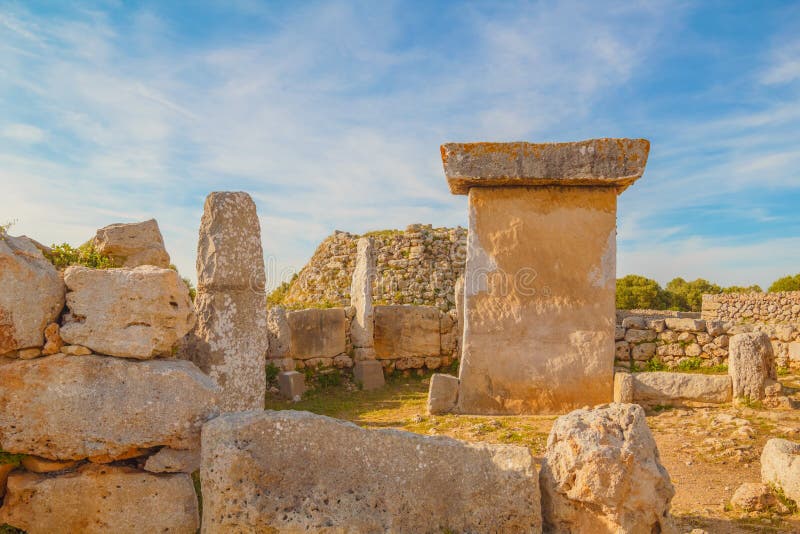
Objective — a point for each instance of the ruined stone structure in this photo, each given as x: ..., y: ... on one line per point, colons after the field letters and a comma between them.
x: 770, y: 308
x: 417, y: 266
x: 541, y: 269
x: 230, y: 340
x: 104, y: 422
x: 675, y: 341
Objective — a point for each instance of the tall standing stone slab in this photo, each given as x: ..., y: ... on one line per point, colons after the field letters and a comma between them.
x: 540, y: 274
x: 230, y: 341
x: 361, y: 328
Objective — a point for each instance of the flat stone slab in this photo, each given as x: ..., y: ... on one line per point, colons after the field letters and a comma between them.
x: 665, y: 387
x: 596, y: 162
x: 407, y: 331
x: 293, y: 471
x: 316, y: 333
x: 100, y: 499
x: 73, y: 407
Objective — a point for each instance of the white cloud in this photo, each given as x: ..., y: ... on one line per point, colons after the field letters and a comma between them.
x: 24, y: 133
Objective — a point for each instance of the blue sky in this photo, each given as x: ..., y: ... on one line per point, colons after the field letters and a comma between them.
x: 331, y: 115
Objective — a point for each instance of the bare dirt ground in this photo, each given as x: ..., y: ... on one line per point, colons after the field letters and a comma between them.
x: 708, y: 452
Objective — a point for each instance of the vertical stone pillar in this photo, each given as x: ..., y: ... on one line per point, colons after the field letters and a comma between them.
x: 362, y: 329
x: 230, y: 340
x: 540, y: 275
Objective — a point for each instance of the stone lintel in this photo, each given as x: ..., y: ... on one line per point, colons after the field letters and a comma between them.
x: 594, y: 163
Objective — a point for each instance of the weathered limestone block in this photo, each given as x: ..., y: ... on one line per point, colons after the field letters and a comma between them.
x: 32, y: 294
x: 133, y: 244
x: 101, y: 499
x: 685, y: 325
x: 317, y: 333
x: 229, y: 253
x: 644, y: 352
x: 344, y: 478
x: 751, y: 362
x: 369, y: 373
x: 753, y: 497
x: 780, y: 466
x: 567, y: 313
x: 601, y: 473
x: 73, y: 407
x: 666, y: 388
x: 364, y: 275
x: 442, y: 394
x: 278, y: 333
x: 132, y: 313
x: 613, y: 163
x: 406, y: 331
x: 634, y: 322
x: 794, y: 352
x: 169, y: 460
x: 623, y: 387
x: 292, y: 385
x: 640, y: 336
x: 230, y: 344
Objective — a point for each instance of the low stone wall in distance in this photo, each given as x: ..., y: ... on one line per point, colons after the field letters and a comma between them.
x: 772, y: 308
x: 676, y: 341
x: 406, y: 337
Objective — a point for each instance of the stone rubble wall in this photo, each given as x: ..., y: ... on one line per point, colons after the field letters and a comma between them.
x: 675, y: 340
x: 417, y: 266
x: 406, y: 338
x: 771, y: 308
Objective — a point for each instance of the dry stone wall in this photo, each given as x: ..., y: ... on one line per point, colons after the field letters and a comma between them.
x: 407, y: 338
x: 674, y: 341
x: 417, y: 266
x: 772, y: 308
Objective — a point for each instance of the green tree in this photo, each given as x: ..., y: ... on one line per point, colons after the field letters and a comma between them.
x: 742, y: 289
x: 787, y: 283
x: 638, y: 292
x: 688, y: 296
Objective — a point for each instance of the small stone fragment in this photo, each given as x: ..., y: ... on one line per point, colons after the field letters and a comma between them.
x: 53, y: 341
x: 169, y: 460
x: 75, y: 350
x: 37, y: 464
x: 442, y: 394
x: 753, y: 497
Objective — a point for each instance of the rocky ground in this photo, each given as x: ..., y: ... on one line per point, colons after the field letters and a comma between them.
x: 709, y: 452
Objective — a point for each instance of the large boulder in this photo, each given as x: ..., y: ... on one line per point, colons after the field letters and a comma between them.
x: 751, y: 362
x: 300, y: 472
x: 133, y: 244
x: 780, y: 466
x: 601, y: 473
x: 672, y: 388
x: 132, y: 313
x: 101, y: 499
x: 72, y: 407
x: 406, y: 331
x: 32, y: 294
x: 317, y: 333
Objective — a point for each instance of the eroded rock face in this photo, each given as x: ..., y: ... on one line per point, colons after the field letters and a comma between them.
x: 32, y: 294
x: 101, y: 499
x: 780, y: 466
x: 73, y: 407
x: 602, y: 473
x: 257, y: 476
x: 132, y: 313
x: 133, y: 244
x: 751, y: 362
x: 407, y: 332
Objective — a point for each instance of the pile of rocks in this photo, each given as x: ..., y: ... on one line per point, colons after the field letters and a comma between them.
x: 102, y: 423
x: 782, y: 307
x: 676, y: 340
x: 417, y: 266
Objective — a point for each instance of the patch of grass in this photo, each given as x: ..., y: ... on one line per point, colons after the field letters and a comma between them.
x: 198, y: 491
x: 658, y: 408
x: 9, y: 458
x: 8, y: 529
x: 689, y: 364
x: 786, y: 501
x: 783, y: 371
x: 64, y: 255
x: 655, y: 364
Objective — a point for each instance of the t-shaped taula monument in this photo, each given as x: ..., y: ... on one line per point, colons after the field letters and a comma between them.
x: 540, y: 274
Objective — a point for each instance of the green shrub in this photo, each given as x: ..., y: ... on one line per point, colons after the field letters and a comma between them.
x: 654, y: 364
x: 688, y: 296
x: 272, y: 372
x: 9, y: 458
x: 64, y: 255
x: 638, y: 292
x: 689, y: 364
